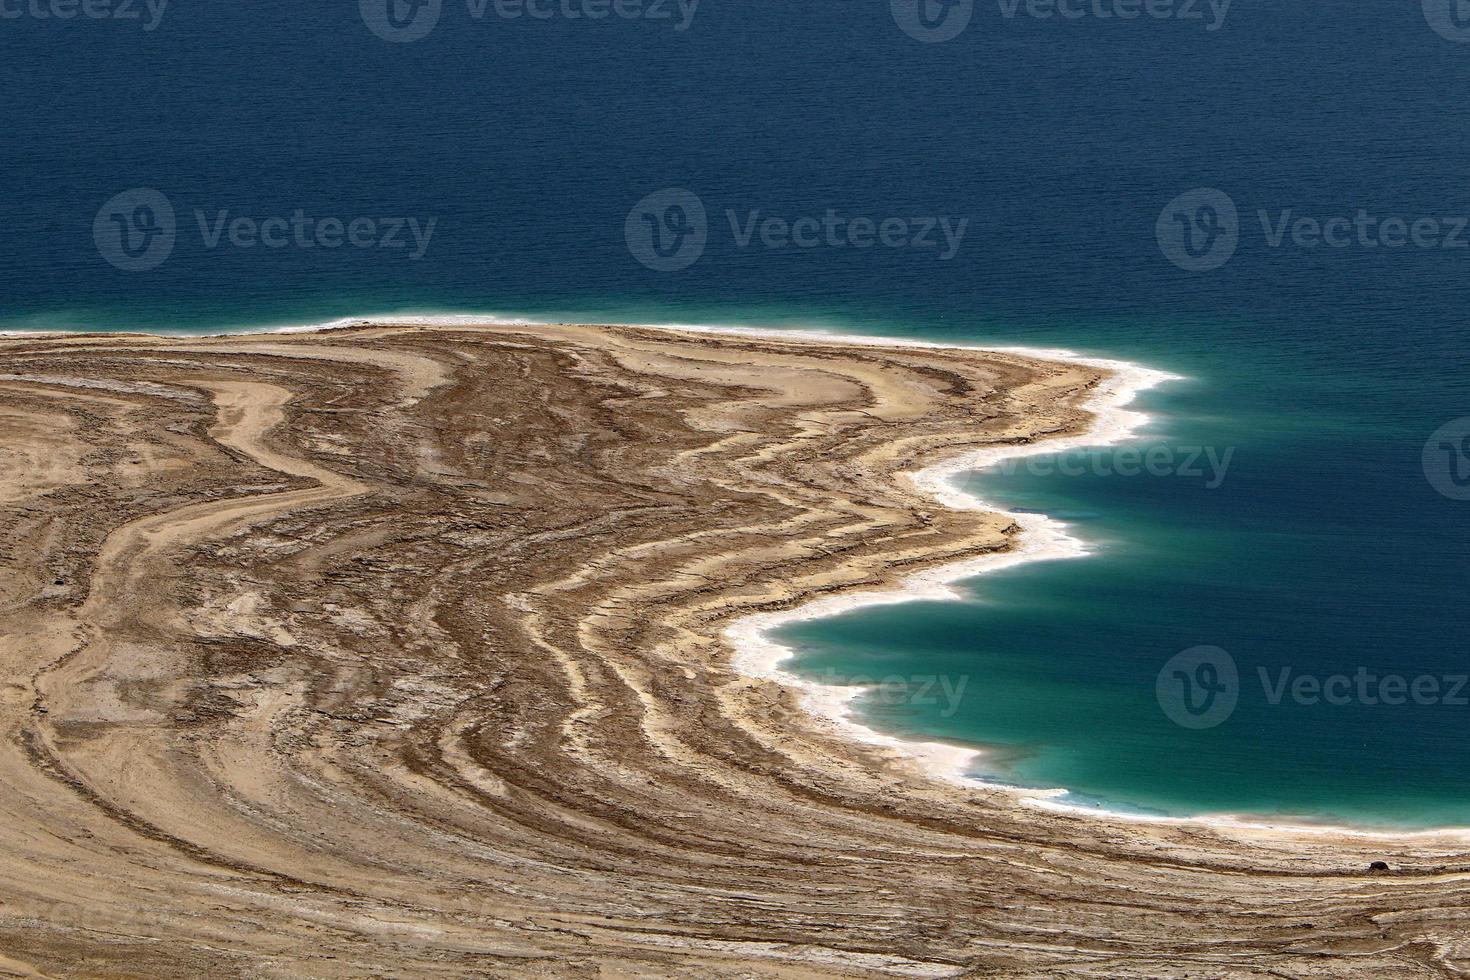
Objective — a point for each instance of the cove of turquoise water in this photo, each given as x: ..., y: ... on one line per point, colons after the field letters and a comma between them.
x: 1322, y: 370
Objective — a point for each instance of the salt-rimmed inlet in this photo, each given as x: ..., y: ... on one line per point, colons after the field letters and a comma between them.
x: 1277, y: 809
x: 1042, y: 538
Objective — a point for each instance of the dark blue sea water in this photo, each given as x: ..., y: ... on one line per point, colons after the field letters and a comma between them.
x: 524, y: 143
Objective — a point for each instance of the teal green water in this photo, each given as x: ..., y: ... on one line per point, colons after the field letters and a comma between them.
x: 1321, y: 552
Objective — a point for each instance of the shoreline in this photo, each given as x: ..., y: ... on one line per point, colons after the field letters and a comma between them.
x: 414, y: 642
x: 1042, y: 538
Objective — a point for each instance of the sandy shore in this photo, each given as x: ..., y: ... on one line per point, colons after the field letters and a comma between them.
x: 406, y: 650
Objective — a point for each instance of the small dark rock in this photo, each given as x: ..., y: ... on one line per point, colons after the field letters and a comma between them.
x: 1378, y: 866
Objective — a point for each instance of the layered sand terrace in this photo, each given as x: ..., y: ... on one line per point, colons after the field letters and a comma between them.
x: 404, y: 649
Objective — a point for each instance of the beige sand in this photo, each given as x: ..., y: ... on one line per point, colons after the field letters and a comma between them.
x: 399, y: 652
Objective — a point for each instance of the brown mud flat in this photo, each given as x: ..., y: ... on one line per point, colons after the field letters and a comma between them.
x: 398, y: 651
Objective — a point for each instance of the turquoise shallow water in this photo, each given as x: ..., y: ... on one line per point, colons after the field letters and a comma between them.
x: 1054, y: 666
x: 1323, y: 550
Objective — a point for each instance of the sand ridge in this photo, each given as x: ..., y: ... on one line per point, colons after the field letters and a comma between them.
x: 399, y: 651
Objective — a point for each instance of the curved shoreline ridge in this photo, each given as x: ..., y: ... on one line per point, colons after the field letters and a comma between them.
x: 434, y: 648
x: 1038, y: 537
